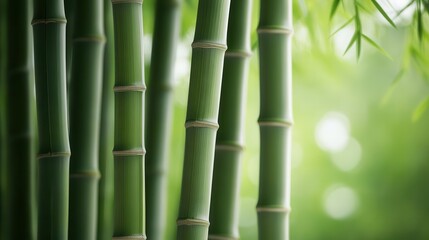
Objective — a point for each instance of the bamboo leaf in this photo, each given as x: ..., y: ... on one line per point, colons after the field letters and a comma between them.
x: 334, y: 8
x: 358, y: 44
x: 420, y: 109
x: 392, y: 87
x: 419, y: 25
x: 381, y: 10
x: 404, y: 8
x: 376, y: 46
x: 342, y: 26
x: 352, y: 41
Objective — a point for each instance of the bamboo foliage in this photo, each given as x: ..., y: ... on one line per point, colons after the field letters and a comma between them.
x: 166, y: 34
x: 84, y: 109
x: 229, y: 142
x: 20, y: 154
x: 129, y: 216
x: 201, y: 119
x: 49, y: 26
x: 105, y: 190
x: 275, y: 119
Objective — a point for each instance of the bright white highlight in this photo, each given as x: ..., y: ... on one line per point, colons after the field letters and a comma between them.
x: 332, y: 132
x: 349, y: 157
x: 340, y: 202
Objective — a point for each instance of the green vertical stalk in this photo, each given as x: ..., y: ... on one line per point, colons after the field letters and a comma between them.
x: 70, y: 12
x: 160, y: 97
x: 49, y: 28
x: 201, y: 119
x: 129, y: 218
x: 3, y: 15
x: 85, y: 107
x: 105, y: 188
x: 19, y: 142
x: 229, y: 142
x: 275, y: 119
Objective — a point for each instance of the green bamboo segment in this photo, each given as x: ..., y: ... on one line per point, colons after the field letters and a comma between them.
x: 166, y: 34
x: 70, y: 12
x: 84, y: 109
x: 129, y: 216
x: 229, y: 142
x: 105, y: 188
x: 49, y: 28
x: 201, y: 119
x: 19, y: 133
x: 3, y: 15
x: 275, y: 120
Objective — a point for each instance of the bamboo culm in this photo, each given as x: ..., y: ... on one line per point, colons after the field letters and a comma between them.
x: 84, y: 109
x: 20, y: 154
x: 49, y: 28
x: 129, y: 215
x: 229, y: 142
x: 201, y: 119
x: 275, y: 119
x: 158, y: 124
x: 3, y: 15
x: 105, y: 189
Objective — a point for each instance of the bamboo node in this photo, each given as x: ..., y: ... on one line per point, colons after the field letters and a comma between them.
x: 219, y: 237
x: 238, y: 54
x: 123, y: 153
x: 192, y: 222
x: 127, y: 1
x: 136, y: 237
x: 48, y: 21
x: 99, y: 39
x: 229, y: 147
x: 86, y: 174
x: 210, y: 45
x: 201, y: 124
x: 53, y: 154
x: 273, y: 209
x: 276, y: 30
x: 131, y: 88
x: 275, y: 123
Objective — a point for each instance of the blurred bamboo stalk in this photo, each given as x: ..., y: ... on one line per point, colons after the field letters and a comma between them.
x: 160, y: 97
x: 105, y: 189
x: 229, y: 142
x: 84, y: 108
x: 3, y: 15
x: 129, y: 216
x: 49, y: 28
x: 275, y: 119
x: 201, y: 120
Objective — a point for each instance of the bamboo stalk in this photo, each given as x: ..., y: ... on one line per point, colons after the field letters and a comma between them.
x: 201, y: 119
x: 19, y: 132
x: 105, y: 190
x: 275, y: 119
x: 70, y: 12
x: 229, y: 142
x: 3, y: 16
x: 129, y: 218
x: 160, y: 97
x: 85, y: 107
x: 49, y: 26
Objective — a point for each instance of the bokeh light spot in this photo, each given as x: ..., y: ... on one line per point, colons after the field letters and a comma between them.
x: 332, y: 132
x: 340, y: 202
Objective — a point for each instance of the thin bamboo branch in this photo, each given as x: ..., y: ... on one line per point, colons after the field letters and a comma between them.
x: 201, y: 120
x: 105, y: 190
x: 158, y: 119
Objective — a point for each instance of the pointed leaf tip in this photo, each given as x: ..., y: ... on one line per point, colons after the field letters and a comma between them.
x: 385, y: 15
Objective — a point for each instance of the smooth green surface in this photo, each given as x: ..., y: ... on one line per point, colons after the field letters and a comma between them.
x: 203, y: 106
x: 69, y: 7
x: 19, y: 135
x: 84, y: 114
x: 105, y: 189
x: 49, y: 28
x: 159, y: 113
x: 275, y: 119
x: 129, y: 215
x: 3, y: 16
x: 229, y: 143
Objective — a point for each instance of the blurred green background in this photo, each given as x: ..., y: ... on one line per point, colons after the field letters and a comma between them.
x: 360, y: 161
